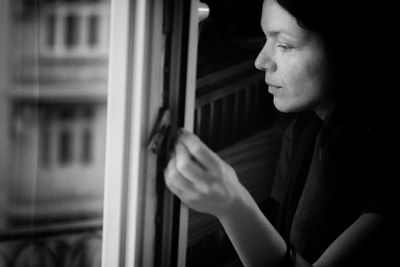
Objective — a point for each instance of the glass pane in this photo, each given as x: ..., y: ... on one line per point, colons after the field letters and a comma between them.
x: 234, y: 116
x: 53, y: 103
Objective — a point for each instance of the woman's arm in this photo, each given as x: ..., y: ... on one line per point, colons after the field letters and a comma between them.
x: 254, y: 238
x: 364, y: 243
x: 207, y: 184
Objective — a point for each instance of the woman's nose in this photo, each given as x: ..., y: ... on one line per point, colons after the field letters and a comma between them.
x: 265, y: 61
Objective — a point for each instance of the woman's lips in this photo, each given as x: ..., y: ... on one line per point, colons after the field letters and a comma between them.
x: 273, y: 89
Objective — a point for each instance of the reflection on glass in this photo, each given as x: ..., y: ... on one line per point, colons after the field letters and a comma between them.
x: 53, y: 95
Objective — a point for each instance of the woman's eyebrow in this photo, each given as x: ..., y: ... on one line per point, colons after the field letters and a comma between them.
x: 277, y: 33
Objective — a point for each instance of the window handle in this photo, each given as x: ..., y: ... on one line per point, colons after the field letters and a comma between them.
x: 203, y: 11
x: 159, y: 131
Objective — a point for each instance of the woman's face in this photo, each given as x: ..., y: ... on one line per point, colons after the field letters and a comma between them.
x: 294, y: 62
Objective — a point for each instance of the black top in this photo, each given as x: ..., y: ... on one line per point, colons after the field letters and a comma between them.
x: 326, y: 178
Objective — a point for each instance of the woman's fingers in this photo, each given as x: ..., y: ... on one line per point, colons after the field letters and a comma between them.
x: 177, y: 183
x: 188, y: 167
x: 199, y: 150
x: 199, y: 177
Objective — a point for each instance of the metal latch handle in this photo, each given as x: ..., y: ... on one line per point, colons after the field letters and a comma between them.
x: 159, y: 131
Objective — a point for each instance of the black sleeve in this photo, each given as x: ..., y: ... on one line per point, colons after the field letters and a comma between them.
x: 383, y: 202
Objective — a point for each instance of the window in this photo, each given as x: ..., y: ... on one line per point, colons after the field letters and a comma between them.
x: 65, y: 147
x: 45, y: 145
x: 71, y: 30
x: 51, y: 30
x: 78, y: 184
x: 53, y: 108
x: 87, y: 146
x: 93, y: 30
x: 182, y: 237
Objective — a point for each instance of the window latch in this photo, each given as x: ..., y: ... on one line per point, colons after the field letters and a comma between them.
x: 160, y: 130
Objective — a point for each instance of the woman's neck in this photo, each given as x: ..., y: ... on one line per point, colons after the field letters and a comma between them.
x: 325, y: 110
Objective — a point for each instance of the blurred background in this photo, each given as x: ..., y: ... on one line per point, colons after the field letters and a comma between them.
x: 53, y: 101
x: 53, y: 105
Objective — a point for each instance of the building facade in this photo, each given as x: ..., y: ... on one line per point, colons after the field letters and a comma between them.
x: 56, y: 96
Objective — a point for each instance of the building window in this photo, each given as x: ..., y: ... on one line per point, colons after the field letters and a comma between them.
x: 74, y: 28
x: 65, y: 147
x: 71, y: 30
x: 45, y: 146
x: 51, y: 25
x: 87, y: 140
x: 93, y: 25
x: 87, y: 112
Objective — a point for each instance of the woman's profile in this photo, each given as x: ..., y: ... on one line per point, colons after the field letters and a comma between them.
x: 334, y: 179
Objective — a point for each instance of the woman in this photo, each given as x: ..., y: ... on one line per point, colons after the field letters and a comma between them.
x: 332, y: 182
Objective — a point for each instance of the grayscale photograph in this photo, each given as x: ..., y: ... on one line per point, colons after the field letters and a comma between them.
x: 198, y: 133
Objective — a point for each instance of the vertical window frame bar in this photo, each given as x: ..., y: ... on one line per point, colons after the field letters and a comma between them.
x: 190, y: 103
x: 134, y: 94
x: 182, y: 86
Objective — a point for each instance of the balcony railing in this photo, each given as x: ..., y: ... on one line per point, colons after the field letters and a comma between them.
x: 62, y: 245
x: 231, y: 105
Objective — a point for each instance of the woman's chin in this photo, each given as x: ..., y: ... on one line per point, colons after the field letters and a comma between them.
x: 282, y: 107
x: 288, y: 107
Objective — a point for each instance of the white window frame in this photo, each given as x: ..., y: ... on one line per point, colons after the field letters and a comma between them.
x: 134, y: 96
x: 189, y: 116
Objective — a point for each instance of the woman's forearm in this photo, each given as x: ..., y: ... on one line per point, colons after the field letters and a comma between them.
x: 206, y: 183
x: 253, y: 236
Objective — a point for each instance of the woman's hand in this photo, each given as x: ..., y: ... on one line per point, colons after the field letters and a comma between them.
x: 201, y: 179
x: 206, y: 183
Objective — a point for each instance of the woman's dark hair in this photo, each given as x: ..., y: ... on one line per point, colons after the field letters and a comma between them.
x: 358, y: 39
x: 352, y: 32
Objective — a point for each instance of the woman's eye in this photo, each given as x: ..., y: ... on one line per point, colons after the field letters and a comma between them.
x: 285, y: 47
